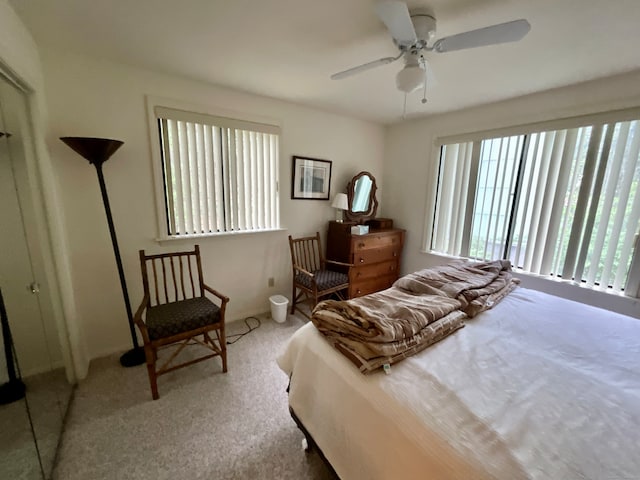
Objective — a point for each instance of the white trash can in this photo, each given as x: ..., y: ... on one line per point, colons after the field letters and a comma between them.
x: 279, y: 306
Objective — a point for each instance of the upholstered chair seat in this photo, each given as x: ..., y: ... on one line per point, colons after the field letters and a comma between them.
x: 179, y: 317
x: 325, y: 279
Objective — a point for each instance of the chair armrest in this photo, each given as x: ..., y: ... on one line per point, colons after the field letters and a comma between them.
x: 302, y: 270
x: 334, y: 262
x: 137, y: 318
x: 223, y: 298
x: 223, y: 303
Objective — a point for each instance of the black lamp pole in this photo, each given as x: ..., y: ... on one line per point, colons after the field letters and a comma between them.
x: 98, y: 151
x: 14, y: 389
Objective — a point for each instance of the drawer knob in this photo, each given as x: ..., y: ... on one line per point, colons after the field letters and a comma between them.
x: 362, y: 260
x: 361, y: 244
x: 359, y: 291
x: 395, y: 254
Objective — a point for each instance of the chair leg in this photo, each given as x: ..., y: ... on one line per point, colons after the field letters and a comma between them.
x: 224, y: 360
x: 293, y: 301
x: 222, y: 345
x: 223, y: 348
x: 151, y: 355
x: 315, y: 300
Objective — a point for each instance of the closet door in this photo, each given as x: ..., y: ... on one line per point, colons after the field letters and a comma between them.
x: 35, y: 422
x: 18, y: 452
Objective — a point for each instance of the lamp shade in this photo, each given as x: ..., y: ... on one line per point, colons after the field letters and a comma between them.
x: 340, y: 201
x: 96, y: 150
x: 410, y: 78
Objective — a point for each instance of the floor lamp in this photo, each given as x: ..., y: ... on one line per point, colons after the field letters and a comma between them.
x: 98, y: 151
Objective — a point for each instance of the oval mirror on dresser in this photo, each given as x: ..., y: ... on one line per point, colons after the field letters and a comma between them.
x: 361, y: 194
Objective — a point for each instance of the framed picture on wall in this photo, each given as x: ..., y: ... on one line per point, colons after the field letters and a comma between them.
x: 310, y: 178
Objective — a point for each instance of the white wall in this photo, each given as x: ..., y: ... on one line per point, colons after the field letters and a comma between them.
x: 88, y: 97
x: 410, y: 170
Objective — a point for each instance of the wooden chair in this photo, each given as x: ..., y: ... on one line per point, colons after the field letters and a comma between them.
x: 312, y: 279
x: 177, y: 311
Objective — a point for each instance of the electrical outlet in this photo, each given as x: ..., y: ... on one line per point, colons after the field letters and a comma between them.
x: 271, y: 282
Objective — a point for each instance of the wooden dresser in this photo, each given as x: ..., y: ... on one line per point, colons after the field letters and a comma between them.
x: 376, y: 256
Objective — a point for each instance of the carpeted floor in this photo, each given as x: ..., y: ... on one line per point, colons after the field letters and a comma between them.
x: 206, y: 424
x: 41, y: 414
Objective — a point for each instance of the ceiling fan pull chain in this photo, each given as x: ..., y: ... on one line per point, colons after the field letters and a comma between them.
x: 424, y: 92
x: 404, y: 108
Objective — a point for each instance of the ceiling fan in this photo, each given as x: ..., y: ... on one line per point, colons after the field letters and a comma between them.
x: 413, y: 32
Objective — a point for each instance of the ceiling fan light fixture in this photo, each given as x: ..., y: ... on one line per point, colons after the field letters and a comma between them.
x: 410, y: 78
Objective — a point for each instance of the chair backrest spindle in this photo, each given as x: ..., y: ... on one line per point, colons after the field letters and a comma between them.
x: 184, y: 295
x: 155, y: 280
x: 308, y: 257
x: 164, y: 281
x: 173, y: 277
x: 199, y: 267
x: 193, y: 290
x: 306, y: 253
x: 172, y: 286
x: 143, y: 270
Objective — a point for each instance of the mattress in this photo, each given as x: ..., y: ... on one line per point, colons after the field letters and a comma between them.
x: 539, y: 387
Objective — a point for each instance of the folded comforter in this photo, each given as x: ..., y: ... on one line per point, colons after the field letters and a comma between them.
x: 419, y: 310
x: 477, y: 286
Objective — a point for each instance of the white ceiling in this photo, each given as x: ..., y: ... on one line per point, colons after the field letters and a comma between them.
x: 288, y: 48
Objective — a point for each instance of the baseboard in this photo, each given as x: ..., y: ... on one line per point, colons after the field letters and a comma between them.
x: 41, y: 369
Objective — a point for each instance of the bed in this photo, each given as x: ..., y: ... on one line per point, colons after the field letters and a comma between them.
x: 537, y: 387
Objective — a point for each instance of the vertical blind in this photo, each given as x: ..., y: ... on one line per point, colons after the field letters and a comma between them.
x: 220, y: 175
x: 564, y: 203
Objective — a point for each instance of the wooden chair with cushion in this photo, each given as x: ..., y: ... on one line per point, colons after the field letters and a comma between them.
x: 312, y: 276
x: 176, y: 311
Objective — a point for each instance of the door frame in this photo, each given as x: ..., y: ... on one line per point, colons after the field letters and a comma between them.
x: 43, y: 229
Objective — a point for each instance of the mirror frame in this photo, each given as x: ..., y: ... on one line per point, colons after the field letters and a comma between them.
x: 361, y: 217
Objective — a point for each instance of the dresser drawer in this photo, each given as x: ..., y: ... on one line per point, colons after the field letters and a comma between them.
x: 376, y: 255
x: 360, y: 273
x: 376, y: 240
x: 371, y: 285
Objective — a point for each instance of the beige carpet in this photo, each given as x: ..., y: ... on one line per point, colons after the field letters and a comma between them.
x: 206, y: 424
x: 45, y: 405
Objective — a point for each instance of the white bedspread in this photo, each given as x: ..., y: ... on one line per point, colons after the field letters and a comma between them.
x: 538, y: 387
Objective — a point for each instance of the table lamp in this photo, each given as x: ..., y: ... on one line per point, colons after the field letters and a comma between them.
x: 340, y: 203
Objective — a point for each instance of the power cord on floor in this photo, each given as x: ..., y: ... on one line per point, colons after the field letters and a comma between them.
x: 240, y: 335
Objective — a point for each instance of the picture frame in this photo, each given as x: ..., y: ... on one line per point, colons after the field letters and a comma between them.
x: 310, y: 178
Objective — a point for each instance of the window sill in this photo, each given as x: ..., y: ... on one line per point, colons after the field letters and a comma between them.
x: 162, y: 240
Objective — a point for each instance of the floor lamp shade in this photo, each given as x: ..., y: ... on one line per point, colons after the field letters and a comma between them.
x: 97, y: 151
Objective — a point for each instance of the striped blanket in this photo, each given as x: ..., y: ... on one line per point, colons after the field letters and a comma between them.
x: 417, y: 311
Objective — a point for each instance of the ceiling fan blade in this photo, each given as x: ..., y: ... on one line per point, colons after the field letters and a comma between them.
x: 395, y: 15
x: 362, y: 68
x: 495, y: 34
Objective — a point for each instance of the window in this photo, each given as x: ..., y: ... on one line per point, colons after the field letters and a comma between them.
x: 564, y: 203
x: 219, y: 174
